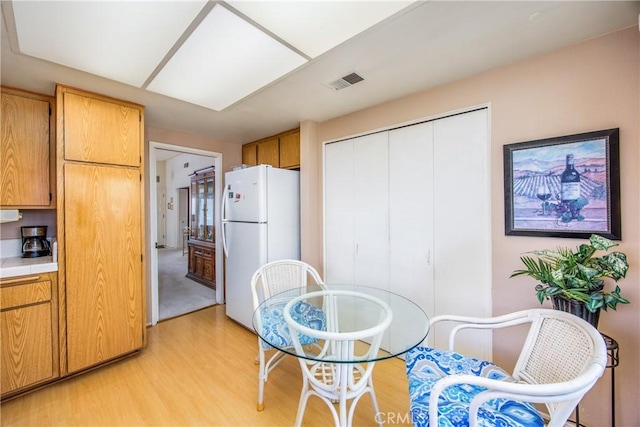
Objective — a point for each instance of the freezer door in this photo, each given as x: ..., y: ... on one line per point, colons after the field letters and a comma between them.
x: 247, y: 251
x: 245, y: 194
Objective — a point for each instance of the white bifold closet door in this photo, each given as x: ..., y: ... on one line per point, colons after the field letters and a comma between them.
x: 408, y: 210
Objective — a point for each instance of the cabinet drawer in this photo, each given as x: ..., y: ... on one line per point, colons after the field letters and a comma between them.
x: 207, y: 253
x: 20, y: 295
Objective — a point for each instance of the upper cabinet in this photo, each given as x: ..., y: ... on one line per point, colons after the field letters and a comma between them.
x: 28, y: 150
x: 100, y: 131
x: 290, y: 150
x: 269, y: 153
x: 279, y: 151
x: 250, y: 154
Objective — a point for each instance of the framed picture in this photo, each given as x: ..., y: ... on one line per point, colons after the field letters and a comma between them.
x: 564, y: 187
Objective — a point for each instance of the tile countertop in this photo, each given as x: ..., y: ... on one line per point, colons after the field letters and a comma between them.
x: 18, y: 266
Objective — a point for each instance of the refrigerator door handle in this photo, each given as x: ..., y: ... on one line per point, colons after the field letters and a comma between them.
x: 223, y: 209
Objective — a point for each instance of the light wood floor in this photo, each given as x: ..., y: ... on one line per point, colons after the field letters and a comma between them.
x: 197, y: 370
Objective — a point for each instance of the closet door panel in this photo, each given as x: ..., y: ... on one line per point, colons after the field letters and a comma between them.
x: 339, y: 212
x: 462, y: 232
x: 411, y: 216
x: 371, y: 210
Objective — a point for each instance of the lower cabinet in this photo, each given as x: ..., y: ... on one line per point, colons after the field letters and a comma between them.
x: 28, y: 332
x: 202, y: 267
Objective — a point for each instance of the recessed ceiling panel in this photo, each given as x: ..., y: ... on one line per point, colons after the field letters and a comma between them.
x: 224, y: 60
x: 314, y: 27
x: 119, y: 40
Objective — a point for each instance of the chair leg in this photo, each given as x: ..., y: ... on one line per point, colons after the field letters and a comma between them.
x: 262, y: 377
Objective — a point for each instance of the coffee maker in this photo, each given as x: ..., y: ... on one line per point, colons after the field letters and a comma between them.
x: 34, y: 241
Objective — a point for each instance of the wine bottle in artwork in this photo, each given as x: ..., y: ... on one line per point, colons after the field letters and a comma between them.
x: 570, y: 181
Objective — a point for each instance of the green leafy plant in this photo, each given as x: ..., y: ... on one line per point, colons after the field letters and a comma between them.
x: 578, y: 275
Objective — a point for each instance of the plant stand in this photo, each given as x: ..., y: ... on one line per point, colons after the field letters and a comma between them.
x: 613, y: 360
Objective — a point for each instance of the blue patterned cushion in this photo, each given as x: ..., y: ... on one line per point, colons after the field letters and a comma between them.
x: 274, y: 327
x: 425, y: 366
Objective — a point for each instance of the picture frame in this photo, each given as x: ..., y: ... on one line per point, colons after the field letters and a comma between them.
x: 567, y: 186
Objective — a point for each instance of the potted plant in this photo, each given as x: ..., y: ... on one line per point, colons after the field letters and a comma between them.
x: 574, y: 280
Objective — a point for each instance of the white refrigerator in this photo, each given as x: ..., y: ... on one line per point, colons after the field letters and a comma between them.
x: 260, y: 223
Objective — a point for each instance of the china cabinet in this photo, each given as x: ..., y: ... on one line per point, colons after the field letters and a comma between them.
x: 201, y: 246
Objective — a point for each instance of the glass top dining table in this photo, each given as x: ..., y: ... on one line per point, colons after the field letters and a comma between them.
x: 408, y: 328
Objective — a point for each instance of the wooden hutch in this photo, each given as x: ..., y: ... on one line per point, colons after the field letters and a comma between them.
x: 201, y: 246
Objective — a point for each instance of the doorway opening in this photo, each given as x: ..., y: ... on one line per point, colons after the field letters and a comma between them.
x: 169, y: 182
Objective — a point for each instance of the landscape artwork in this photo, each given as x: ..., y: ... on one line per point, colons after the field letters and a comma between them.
x: 563, y: 187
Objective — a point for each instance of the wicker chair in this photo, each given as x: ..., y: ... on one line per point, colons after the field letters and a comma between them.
x: 269, y: 280
x: 340, y: 369
x: 562, y: 358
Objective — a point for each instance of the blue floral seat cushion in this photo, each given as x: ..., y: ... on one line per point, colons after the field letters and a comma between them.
x: 274, y: 327
x: 425, y: 366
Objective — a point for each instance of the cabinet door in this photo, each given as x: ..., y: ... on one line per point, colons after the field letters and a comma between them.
x: 27, y: 350
x: 290, y: 150
x: 99, y: 131
x: 28, y: 341
x: 26, y: 150
x: 250, y: 154
x: 193, y: 209
x: 268, y: 153
x: 201, y: 212
x: 103, y: 241
x: 209, y: 208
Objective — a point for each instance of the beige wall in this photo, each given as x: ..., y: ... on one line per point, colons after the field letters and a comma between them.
x: 231, y: 153
x: 588, y: 87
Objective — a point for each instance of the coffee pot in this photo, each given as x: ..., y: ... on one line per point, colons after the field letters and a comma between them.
x: 34, y: 241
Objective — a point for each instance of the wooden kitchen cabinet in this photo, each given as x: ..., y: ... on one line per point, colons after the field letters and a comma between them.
x: 250, y: 154
x: 28, y: 332
x: 101, y: 130
x: 279, y: 151
x: 100, y: 228
x: 201, y: 261
x: 27, y: 150
x: 290, y: 150
x: 269, y: 152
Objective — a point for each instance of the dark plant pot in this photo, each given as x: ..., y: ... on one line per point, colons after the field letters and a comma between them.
x: 577, y: 308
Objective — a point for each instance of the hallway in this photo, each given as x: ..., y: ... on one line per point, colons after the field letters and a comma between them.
x: 177, y: 294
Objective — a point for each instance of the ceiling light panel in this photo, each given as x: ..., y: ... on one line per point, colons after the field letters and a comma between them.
x: 119, y: 40
x: 224, y: 60
x: 314, y: 27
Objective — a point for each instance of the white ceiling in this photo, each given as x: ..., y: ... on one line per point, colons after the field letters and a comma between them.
x: 425, y: 45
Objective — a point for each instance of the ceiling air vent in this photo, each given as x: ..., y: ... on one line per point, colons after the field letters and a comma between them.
x: 346, y: 81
